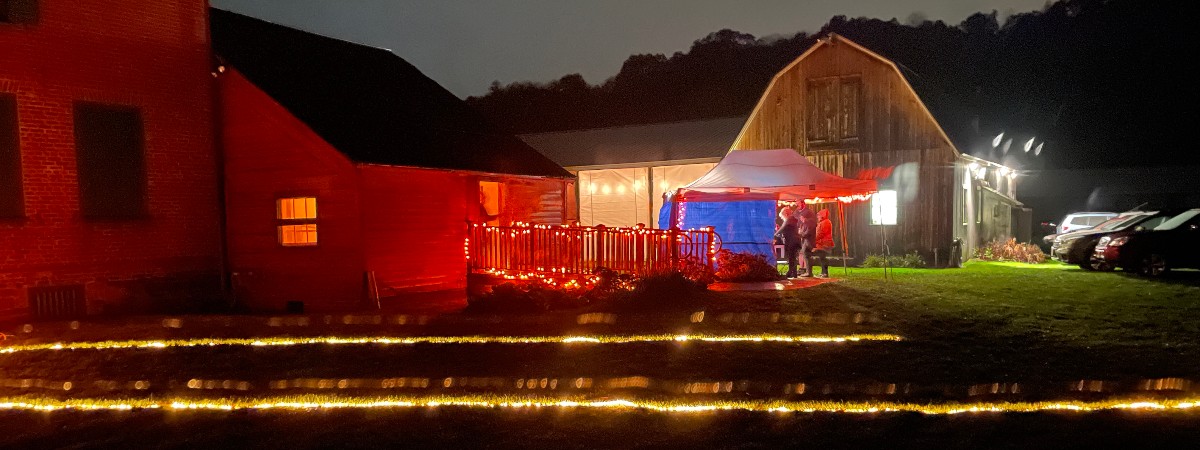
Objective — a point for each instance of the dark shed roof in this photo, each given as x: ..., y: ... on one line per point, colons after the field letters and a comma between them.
x: 672, y: 141
x: 370, y: 104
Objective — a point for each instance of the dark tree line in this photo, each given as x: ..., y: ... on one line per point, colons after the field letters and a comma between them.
x: 1103, y: 82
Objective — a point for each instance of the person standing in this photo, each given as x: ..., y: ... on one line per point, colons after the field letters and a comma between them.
x: 824, y: 243
x: 808, y: 236
x: 789, y: 232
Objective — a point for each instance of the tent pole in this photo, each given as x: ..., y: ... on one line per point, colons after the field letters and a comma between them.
x: 845, y: 250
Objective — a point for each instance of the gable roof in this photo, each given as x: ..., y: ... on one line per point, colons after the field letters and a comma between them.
x: 368, y: 103
x: 673, y: 141
x: 946, y: 113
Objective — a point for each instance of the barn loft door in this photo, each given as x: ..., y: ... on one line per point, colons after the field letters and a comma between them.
x: 833, y: 110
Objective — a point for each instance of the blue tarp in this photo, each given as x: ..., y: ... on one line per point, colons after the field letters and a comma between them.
x: 744, y: 226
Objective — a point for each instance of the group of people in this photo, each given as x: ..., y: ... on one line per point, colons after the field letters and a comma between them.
x: 805, y: 234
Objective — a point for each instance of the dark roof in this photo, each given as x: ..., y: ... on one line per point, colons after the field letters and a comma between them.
x: 370, y: 104
x: 672, y: 141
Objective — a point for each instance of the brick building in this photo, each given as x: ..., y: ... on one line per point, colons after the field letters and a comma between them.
x: 109, y: 183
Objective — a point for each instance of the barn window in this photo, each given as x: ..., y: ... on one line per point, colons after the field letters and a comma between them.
x: 884, y: 208
x: 111, y: 162
x: 297, y: 221
x: 11, y: 192
x: 834, y: 108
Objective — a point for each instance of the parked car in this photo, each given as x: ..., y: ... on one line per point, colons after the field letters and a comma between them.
x: 1173, y: 244
x: 1072, y: 222
x: 1083, y: 220
x: 1077, y: 247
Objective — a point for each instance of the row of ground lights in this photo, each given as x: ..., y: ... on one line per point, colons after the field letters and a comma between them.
x: 596, y: 339
x: 321, y: 402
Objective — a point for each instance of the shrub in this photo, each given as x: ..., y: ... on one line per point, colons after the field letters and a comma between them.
x: 697, y: 270
x: 912, y: 260
x: 1010, y: 250
x: 608, y: 290
x: 744, y: 267
x: 664, y: 291
x: 526, y: 296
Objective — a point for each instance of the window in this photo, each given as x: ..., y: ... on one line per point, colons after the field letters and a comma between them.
x: 884, y: 208
x: 833, y: 109
x: 18, y: 11
x: 490, y: 204
x: 297, y: 221
x: 12, y: 202
x: 111, y: 161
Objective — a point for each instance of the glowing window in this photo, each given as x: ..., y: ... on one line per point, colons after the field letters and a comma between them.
x: 883, y: 208
x: 296, y: 208
x: 297, y: 235
x: 297, y: 221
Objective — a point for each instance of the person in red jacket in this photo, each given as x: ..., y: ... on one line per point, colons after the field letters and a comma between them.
x: 824, y: 242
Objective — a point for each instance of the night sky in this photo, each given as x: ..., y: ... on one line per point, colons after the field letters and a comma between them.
x: 466, y: 44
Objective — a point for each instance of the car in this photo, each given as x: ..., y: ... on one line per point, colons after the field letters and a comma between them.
x: 1083, y: 220
x: 1078, y: 247
x: 1173, y: 244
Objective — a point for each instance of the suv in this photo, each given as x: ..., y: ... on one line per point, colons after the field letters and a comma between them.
x: 1173, y: 244
x: 1077, y: 247
x: 1083, y: 220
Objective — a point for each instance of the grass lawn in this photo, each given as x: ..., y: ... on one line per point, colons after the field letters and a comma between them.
x: 1052, y: 301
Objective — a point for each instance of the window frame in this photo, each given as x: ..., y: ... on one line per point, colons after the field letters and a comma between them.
x: 307, y: 221
x: 19, y: 12
x: 92, y: 206
x: 15, y: 210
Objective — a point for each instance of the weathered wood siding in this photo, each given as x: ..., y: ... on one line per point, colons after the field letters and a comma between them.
x: 269, y: 154
x: 884, y: 126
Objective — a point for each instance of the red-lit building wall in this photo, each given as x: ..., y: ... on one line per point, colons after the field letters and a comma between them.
x: 150, y: 54
x: 404, y: 226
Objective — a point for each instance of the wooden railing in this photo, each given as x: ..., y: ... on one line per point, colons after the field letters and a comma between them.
x: 576, y: 250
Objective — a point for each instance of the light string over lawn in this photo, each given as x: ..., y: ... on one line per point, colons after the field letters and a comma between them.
x: 444, y: 340
x: 322, y: 402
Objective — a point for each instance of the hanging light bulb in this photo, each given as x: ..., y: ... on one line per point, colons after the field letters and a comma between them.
x: 1038, y: 152
x: 996, y: 141
x: 1029, y: 145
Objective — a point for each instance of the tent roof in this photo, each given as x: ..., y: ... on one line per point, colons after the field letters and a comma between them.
x: 781, y: 174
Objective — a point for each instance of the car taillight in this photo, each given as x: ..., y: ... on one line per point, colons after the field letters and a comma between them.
x: 1064, y: 228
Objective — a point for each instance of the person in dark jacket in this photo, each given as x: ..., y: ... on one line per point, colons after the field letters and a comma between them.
x: 808, y: 236
x: 790, y: 234
x: 824, y: 242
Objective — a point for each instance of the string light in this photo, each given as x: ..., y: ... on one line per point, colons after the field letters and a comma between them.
x: 329, y: 340
x: 843, y: 199
x: 325, y: 402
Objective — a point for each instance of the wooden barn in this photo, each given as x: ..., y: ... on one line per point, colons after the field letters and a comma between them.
x: 857, y: 114
x: 350, y: 177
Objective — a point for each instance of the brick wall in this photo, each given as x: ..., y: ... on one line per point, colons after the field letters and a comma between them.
x: 150, y: 54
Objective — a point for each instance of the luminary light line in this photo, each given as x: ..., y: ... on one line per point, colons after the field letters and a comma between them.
x: 322, y: 402
x: 444, y: 340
